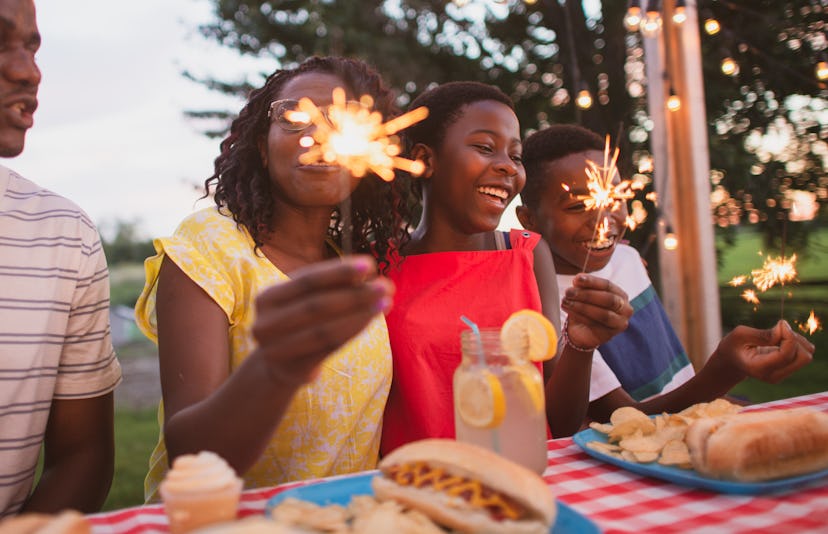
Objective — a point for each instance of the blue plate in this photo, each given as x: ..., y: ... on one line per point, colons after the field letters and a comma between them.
x: 688, y: 477
x: 340, y: 491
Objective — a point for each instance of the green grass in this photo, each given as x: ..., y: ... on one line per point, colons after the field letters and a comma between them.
x: 136, y: 433
x: 792, y: 302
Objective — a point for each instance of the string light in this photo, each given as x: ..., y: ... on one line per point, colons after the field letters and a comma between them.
x: 632, y: 19
x: 670, y: 240
x: 822, y: 71
x: 584, y: 99
x: 711, y: 26
x: 651, y: 24
x: 729, y: 67
x: 679, y: 12
x: 673, y: 101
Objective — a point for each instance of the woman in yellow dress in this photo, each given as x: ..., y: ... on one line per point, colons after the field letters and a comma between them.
x: 273, y: 351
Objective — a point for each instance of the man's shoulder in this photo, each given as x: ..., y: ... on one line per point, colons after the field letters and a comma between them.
x: 22, y: 191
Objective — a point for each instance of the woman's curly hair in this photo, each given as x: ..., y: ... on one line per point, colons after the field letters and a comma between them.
x: 242, y: 185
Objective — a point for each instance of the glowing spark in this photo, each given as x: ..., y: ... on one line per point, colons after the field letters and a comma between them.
x: 355, y: 137
x: 601, y: 236
x: 774, y: 271
x: 750, y: 296
x: 737, y: 281
x: 631, y: 222
x: 811, y: 325
x: 603, y: 193
x: 652, y: 196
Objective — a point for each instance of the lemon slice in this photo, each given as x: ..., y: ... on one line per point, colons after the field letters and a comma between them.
x: 530, y: 381
x: 479, y: 398
x: 527, y: 332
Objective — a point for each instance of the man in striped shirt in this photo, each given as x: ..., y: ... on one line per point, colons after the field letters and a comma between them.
x: 57, y: 365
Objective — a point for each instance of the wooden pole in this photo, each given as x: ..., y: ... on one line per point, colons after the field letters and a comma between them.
x: 689, y: 288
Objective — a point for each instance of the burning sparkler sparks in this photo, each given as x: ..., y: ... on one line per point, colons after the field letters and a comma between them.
x: 603, y: 193
x: 811, y: 325
x: 750, y: 296
x: 354, y: 137
x: 775, y: 270
x: 739, y: 280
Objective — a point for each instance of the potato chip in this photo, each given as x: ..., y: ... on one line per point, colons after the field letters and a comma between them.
x: 676, y: 453
x: 600, y: 446
x: 635, y: 437
x: 645, y: 457
x: 640, y: 443
x: 603, y: 428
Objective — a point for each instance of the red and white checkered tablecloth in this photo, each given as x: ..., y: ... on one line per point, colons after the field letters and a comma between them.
x: 615, y: 499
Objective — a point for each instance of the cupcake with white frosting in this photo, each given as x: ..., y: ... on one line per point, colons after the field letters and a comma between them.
x: 200, y: 489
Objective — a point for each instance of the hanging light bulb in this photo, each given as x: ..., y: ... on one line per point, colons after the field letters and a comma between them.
x: 673, y: 101
x: 822, y: 71
x: 632, y: 19
x: 729, y: 67
x: 711, y: 26
x: 584, y: 99
x: 651, y: 24
x: 670, y: 240
x: 679, y: 12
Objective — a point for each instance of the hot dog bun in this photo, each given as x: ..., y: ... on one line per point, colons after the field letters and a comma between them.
x: 466, y: 488
x: 755, y: 446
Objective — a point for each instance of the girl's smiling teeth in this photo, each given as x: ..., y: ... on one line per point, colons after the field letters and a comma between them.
x: 496, y: 192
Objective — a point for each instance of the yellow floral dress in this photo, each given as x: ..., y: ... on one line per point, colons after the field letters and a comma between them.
x: 333, y: 425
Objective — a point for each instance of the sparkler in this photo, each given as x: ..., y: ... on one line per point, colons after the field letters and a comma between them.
x: 775, y: 270
x: 811, y: 325
x: 354, y: 137
x: 603, y: 193
x: 750, y: 296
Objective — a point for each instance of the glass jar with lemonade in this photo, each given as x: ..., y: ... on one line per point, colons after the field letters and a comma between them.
x: 499, y: 392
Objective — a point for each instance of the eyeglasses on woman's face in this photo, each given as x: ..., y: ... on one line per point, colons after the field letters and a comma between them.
x: 287, y: 115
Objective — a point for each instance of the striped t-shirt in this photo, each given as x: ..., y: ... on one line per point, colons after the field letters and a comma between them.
x: 54, y: 322
x: 647, y: 358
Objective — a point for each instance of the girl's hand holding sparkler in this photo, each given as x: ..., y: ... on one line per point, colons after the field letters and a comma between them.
x: 596, y: 310
x: 770, y: 355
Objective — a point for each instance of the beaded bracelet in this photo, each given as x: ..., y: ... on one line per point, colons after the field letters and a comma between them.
x: 569, y: 342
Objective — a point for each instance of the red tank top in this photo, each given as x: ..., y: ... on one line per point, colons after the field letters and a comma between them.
x: 424, y: 325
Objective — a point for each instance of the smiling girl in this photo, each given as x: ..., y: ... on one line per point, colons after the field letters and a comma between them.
x: 456, y: 263
x: 252, y: 308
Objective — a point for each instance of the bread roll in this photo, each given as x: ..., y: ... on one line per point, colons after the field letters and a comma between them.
x: 757, y: 446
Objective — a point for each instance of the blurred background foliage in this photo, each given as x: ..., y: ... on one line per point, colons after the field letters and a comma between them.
x: 767, y: 119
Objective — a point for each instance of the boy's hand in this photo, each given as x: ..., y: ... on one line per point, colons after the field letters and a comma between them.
x: 770, y: 354
x: 596, y: 310
x: 300, y: 322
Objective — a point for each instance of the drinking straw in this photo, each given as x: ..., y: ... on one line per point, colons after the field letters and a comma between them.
x: 477, y: 336
x: 482, y: 357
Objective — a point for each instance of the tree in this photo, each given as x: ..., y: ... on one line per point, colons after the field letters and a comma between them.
x: 544, y: 52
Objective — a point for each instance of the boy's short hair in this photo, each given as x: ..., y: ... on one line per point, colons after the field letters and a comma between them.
x: 444, y: 103
x: 555, y: 142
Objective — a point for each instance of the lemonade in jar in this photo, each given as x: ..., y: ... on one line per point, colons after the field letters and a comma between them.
x: 499, y: 397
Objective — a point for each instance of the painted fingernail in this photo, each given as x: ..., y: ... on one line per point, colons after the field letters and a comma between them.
x: 362, y: 264
x: 384, y: 304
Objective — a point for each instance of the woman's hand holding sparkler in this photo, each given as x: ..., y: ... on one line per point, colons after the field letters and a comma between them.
x: 300, y: 322
x: 596, y: 311
x: 770, y: 355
